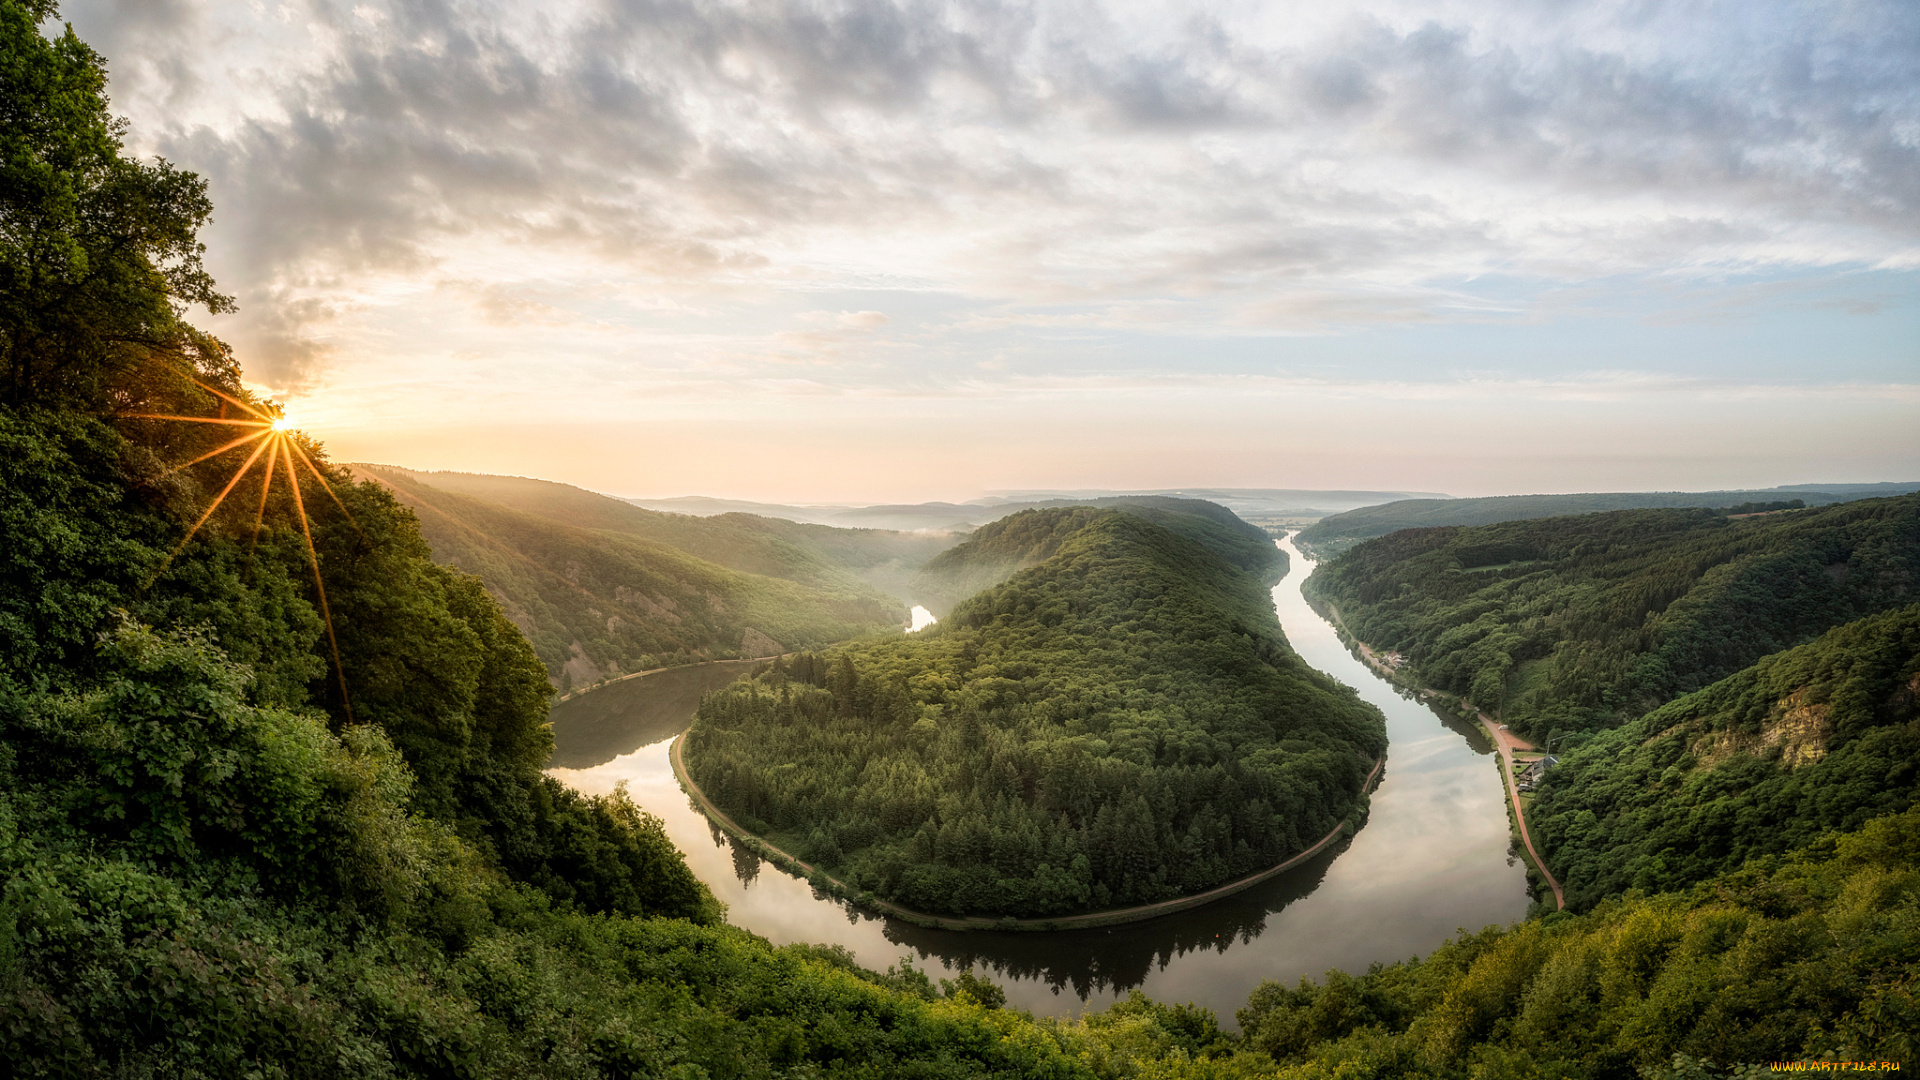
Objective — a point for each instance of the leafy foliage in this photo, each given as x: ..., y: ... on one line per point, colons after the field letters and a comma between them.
x: 1578, y: 622
x: 76, y: 542
x: 1823, y: 736
x: 98, y: 252
x: 430, y: 661
x: 1809, y: 957
x: 1121, y: 724
x: 194, y: 884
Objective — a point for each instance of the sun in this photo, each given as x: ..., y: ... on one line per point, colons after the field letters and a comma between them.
x: 273, y: 436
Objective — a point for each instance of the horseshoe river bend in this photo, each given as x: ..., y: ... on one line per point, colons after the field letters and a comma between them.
x: 1433, y: 857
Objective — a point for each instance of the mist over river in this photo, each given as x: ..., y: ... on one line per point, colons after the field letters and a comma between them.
x: 1433, y: 857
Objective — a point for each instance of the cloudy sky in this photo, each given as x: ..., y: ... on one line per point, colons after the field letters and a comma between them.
x: 864, y: 250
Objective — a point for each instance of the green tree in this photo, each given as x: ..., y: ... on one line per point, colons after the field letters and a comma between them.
x: 98, y: 252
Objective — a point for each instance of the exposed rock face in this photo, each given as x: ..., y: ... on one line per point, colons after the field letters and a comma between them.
x: 579, y: 669
x: 1800, y: 728
x: 755, y: 643
x: 658, y: 607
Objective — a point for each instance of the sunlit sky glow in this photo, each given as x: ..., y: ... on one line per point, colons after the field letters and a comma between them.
x: 865, y: 251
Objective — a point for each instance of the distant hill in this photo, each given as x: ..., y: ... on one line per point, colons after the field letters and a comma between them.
x: 1252, y: 503
x: 808, y: 553
x: 601, y: 588
x: 1029, y: 537
x: 1243, y: 501
x: 1334, y: 534
x: 1577, y: 623
x: 1825, y: 736
x: 913, y: 517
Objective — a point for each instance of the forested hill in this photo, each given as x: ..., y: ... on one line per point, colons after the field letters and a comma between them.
x: 1122, y: 723
x: 1820, y: 737
x: 1574, y: 623
x: 597, y: 602
x: 1336, y: 533
x: 1000, y: 549
x: 821, y: 555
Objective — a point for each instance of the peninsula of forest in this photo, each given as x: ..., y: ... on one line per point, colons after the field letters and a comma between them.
x: 1119, y: 724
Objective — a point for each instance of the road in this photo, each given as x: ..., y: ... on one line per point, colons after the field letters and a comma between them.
x: 1508, y: 742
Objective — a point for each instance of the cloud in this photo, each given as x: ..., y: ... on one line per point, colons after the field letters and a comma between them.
x: 845, y: 320
x: 1293, y: 170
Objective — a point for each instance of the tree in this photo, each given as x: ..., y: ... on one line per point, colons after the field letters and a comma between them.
x: 99, y: 253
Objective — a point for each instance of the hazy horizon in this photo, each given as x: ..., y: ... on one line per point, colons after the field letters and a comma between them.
x: 1011, y: 495
x: 872, y: 251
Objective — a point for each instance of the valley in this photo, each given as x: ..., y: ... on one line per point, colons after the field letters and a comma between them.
x: 311, y: 769
x: 1432, y: 855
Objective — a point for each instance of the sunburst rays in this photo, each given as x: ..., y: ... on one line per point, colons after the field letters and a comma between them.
x: 276, y: 440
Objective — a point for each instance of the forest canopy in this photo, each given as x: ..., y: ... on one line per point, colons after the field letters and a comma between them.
x: 1575, y: 623
x: 1335, y: 533
x: 1122, y: 723
x: 1825, y: 736
x: 1002, y: 548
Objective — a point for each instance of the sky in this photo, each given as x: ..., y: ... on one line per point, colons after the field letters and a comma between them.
x: 866, y: 250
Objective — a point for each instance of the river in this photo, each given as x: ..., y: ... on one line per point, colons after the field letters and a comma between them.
x: 1433, y: 857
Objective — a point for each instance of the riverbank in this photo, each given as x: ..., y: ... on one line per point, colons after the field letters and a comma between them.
x: 1090, y: 920
x: 1505, y: 743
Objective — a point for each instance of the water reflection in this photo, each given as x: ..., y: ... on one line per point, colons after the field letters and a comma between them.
x: 1433, y: 857
x: 1083, y: 964
x: 640, y: 710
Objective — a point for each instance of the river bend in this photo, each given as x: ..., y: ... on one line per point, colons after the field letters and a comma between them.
x: 1433, y: 857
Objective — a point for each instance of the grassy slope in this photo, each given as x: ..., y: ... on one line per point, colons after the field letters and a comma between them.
x: 1335, y: 533
x: 597, y: 602
x: 1579, y: 622
x: 1123, y: 723
x: 1823, y: 736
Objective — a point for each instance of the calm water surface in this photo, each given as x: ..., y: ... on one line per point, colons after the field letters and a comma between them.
x: 1432, y: 858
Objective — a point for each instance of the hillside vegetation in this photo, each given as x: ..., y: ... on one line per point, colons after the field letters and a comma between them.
x: 1002, y: 548
x: 606, y: 597
x: 1581, y: 622
x: 1121, y: 724
x: 1820, y: 737
x: 1334, y: 534
x: 1807, y: 958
